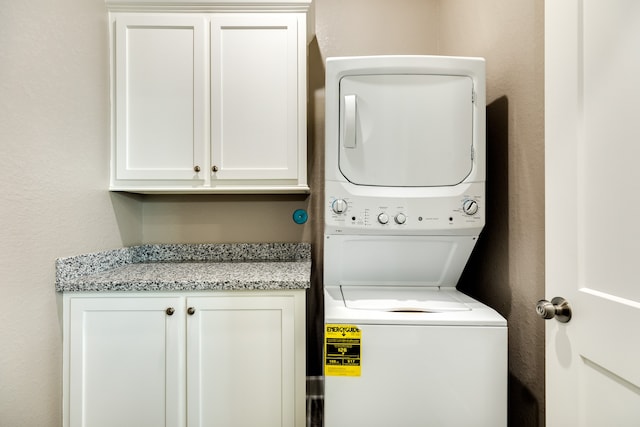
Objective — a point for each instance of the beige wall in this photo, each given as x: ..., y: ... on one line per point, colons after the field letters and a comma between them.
x: 507, y: 268
x: 54, y: 137
x: 507, y: 271
x: 54, y: 168
x: 224, y: 218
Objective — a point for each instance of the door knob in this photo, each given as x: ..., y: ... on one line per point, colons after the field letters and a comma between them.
x: 558, y: 308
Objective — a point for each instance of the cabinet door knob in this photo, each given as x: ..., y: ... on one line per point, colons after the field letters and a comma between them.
x: 170, y: 311
x: 191, y: 310
x: 214, y: 168
x: 196, y: 168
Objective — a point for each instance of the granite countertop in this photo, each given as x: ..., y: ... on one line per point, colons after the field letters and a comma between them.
x: 175, y: 267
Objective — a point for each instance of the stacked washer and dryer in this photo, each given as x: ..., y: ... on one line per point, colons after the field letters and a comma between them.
x: 404, y: 206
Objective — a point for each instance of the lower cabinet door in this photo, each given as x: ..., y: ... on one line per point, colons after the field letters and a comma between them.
x: 240, y: 355
x: 124, y: 362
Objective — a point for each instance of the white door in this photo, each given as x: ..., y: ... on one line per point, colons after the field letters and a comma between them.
x: 592, y: 200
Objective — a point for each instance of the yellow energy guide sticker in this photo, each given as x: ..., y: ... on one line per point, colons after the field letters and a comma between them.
x: 342, y: 350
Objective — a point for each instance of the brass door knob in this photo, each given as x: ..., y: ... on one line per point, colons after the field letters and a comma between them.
x: 196, y: 168
x: 190, y: 311
x: 170, y: 311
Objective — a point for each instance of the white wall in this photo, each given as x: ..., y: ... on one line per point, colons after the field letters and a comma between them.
x: 54, y: 127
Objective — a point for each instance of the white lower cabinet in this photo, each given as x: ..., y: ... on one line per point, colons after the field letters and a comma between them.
x: 227, y: 359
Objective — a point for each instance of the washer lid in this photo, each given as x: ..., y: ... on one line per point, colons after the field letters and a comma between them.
x: 406, y: 300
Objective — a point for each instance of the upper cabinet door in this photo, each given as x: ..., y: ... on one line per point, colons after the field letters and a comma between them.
x: 160, y: 116
x: 258, y: 96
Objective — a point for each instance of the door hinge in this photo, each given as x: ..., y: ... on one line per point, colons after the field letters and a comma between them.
x: 473, y: 96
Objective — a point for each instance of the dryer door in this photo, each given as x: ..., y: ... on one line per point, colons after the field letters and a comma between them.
x: 404, y: 130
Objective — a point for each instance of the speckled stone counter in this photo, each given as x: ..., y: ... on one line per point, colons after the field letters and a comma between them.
x: 232, y: 266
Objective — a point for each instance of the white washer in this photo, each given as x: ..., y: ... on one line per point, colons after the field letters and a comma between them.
x: 404, y: 205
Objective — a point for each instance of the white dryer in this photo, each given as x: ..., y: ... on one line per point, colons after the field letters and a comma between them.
x: 404, y: 206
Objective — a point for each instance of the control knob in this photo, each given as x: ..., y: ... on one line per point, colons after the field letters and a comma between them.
x: 339, y: 206
x: 470, y: 207
x: 383, y: 218
x: 400, y: 218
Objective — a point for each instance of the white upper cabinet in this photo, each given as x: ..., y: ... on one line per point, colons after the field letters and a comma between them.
x: 209, y: 97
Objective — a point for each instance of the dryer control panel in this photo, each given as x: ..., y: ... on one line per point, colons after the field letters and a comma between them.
x: 447, y: 214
